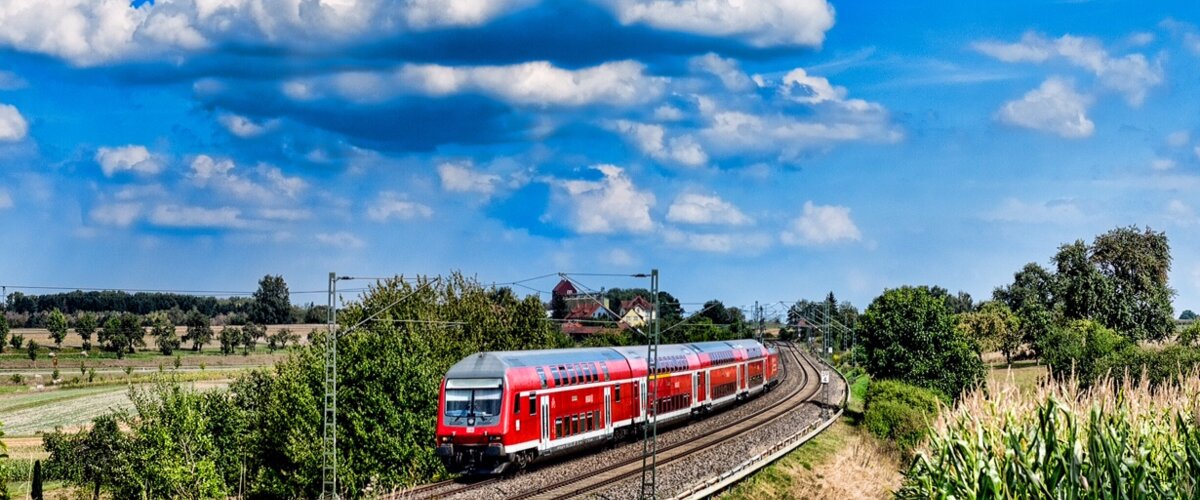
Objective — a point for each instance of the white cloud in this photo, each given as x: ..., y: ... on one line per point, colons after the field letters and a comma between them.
x: 1161, y: 164
x: 285, y: 214
x: 90, y: 32
x: 1179, y: 138
x: 1181, y: 213
x: 1054, y: 107
x: 462, y: 178
x: 717, y: 242
x: 131, y: 158
x: 219, y: 174
x: 117, y: 214
x: 667, y: 113
x: 390, y: 205
x: 197, y: 217
x: 651, y: 140
x: 620, y: 257
x: 1051, y: 212
x: 1132, y: 75
x: 610, y: 205
x: 801, y: 86
x: 6, y: 200
x: 737, y: 131
x: 759, y: 22
x: 690, y: 208
x: 535, y: 83
x: 11, y: 81
x: 726, y: 69
x: 340, y: 239
x: 821, y: 225
x: 244, y: 127
x: 12, y: 125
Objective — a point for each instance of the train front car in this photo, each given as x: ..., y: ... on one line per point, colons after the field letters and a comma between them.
x: 470, y: 426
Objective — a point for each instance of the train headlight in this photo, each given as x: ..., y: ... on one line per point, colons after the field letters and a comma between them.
x: 495, y: 439
x: 446, y: 439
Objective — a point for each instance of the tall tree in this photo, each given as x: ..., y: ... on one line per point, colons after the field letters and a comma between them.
x: 1137, y: 262
x: 272, y: 302
x: 909, y: 334
x: 4, y: 329
x: 1186, y: 315
x: 994, y: 327
x: 1031, y: 298
x: 56, y: 322
x: 85, y: 326
x: 122, y: 333
x: 198, y: 330
x: 35, y: 489
x: 1079, y: 287
x: 164, y: 334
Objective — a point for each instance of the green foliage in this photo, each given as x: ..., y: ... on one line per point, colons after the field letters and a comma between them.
x: 900, y: 412
x: 122, y: 333
x: 251, y: 333
x: 272, y: 302
x: 85, y: 326
x: 281, y: 338
x: 4, y: 329
x: 909, y: 335
x: 16, y: 341
x: 1187, y: 315
x: 1158, y: 366
x: 1136, y: 263
x: 993, y: 326
x: 1107, y: 454
x: 57, y: 324
x: 1077, y: 348
x: 609, y: 338
x: 164, y: 335
x: 229, y: 337
x: 198, y: 330
x: 1031, y: 298
x: 31, y: 350
x: 1189, y: 335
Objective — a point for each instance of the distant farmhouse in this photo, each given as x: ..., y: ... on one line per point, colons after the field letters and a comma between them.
x: 588, y: 314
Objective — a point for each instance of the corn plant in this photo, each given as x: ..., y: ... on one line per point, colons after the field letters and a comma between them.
x: 1108, y: 442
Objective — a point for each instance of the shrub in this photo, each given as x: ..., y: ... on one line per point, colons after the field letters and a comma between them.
x: 1078, y: 348
x: 900, y: 412
x: 1159, y: 366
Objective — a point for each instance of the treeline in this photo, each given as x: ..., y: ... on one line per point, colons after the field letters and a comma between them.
x: 270, y: 304
x: 262, y: 438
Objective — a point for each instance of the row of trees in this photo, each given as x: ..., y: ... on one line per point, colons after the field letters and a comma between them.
x: 262, y: 438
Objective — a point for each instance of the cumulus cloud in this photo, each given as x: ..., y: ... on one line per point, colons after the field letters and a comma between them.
x: 1161, y: 164
x: 12, y: 125
x: 244, y: 127
x: 610, y: 205
x: 1054, y: 211
x: 651, y: 140
x: 1053, y: 107
x: 461, y: 177
x: 690, y: 208
x: 727, y: 70
x: 197, y: 217
x: 90, y: 32
x: 390, y: 205
x: 535, y: 83
x: 341, y: 239
x: 117, y: 214
x: 131, y: 158
x: 760, y: 22
x: 821, y: 225
x: 1179, y: 139
x: 1131, y: 75
x: 218, y: 174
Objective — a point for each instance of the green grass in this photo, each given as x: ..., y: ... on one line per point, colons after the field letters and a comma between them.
x: 21, y: 489
x: 778, y: 480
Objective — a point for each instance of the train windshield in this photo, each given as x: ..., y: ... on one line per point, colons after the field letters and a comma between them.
x: 471, y: 403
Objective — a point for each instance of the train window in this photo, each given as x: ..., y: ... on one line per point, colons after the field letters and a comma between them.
x: 604, y: 367
x: 542, y: 376
x: 587, y: 372
x: 618, y: 393
x: 591, y: 421
x: 558, y: 428
x: 516, y: 403
x: 574, y: 424
x: 533, y: 404
x: 554, y: 375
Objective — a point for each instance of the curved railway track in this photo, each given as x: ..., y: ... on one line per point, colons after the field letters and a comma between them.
x: 574, y: 487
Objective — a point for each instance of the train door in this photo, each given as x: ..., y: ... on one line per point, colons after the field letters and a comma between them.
x: 645, y: 405
x: 545, y: 422
x: 608, y: 409
x: 708, y: 385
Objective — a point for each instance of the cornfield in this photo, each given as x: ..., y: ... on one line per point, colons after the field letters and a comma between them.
x: 1060, y: 442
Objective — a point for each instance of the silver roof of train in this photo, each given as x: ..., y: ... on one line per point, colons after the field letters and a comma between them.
x: 494, y: 364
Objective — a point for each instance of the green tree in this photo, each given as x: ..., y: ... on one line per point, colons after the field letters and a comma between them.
x: 1189, y: 335
x: 1186, y: 315
x: 1076, y: 348
x: 230, y: 337
x: 85, y: 326
x: 1136, y: 263
x: 56, y: 322
x: 164, y: 334
x: 31, y: 349
x: 251, y: 334
x: 908, y: 334
x: 272, y: 302
x: 122, y: 333
x: 198, y: 330
x: 1080, y: 290
x: 993, y: 327
x: 4, y: 329
x: 1031, y: 298
x: 16, y: 341
x: 97, y: 458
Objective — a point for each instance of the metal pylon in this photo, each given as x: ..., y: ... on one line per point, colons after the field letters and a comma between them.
x: 650, y: 429
x: 329, y: 455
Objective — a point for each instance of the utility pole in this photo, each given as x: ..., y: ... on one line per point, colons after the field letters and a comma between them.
x: 329, y: 487
x: 650, y: 428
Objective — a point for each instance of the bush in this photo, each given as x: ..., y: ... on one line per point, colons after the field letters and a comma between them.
x: 1078, y: 347
x: 900, y: 412
x: 1159, y: 366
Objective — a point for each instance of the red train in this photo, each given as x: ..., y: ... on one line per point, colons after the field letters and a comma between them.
x: 500, y: 411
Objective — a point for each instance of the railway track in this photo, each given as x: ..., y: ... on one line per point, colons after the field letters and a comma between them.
x: 574, y: 487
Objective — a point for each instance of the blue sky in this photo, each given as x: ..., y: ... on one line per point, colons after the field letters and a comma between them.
x: 769, y: 150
